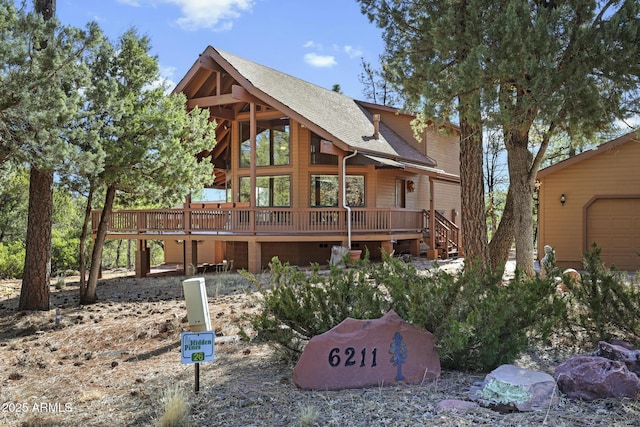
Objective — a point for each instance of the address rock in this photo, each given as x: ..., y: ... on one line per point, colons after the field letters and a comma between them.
x: 510, y: 388
x: 363, y: 353
x: 594, y: 377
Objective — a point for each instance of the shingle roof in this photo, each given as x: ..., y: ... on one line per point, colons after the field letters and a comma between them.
x: 338, y: 115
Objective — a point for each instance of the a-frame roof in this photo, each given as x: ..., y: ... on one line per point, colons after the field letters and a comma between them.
x: 631, y: 136
x: 333, y: 116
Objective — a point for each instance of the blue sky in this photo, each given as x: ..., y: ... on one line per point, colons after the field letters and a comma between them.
x: 321, y: 41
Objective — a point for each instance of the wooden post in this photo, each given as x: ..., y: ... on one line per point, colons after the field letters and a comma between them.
x: 142, y: 258
x: 190, y: 258
x: 254, y: 257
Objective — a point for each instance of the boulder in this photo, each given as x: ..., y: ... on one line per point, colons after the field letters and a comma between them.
x: 595, y: 377
x: 511, y: 388
x: 363, y: 353
x: 621, y: 352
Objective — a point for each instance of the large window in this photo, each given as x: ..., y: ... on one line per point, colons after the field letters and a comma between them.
x: 318, y: 158
x: 325, y: 189
x: 271, y: 191
x: 272, y: 142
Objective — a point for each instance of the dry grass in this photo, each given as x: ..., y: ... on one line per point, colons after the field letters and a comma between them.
x: 110, y: 364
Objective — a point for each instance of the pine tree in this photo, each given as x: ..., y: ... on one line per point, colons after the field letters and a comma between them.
x: 561, y: 65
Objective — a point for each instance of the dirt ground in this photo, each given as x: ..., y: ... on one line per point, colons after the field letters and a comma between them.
x: 108, y: 364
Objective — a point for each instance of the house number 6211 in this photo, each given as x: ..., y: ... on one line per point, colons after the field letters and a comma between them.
x: 351, y: 358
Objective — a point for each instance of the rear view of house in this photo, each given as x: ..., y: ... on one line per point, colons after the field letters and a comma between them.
x: 593, y: 197
x: 303, y: 169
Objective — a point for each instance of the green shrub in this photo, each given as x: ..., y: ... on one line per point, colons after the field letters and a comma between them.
x: 64, y: 251
x: 478, y: 322
x: 11, y: 260
x: 604, y: 304
x: 295, y: 306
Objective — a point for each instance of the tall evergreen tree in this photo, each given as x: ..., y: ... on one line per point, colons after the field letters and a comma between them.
x: 563, y: 65
x: 41, y: 76
x: 148, y: 138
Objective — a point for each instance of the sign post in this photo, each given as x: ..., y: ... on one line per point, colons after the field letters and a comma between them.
x: 197, y: 347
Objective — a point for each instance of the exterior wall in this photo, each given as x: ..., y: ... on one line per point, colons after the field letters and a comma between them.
x: 448, y: 201
x: 442, y: 145
x: 613, y: 172
x: 209, y: 251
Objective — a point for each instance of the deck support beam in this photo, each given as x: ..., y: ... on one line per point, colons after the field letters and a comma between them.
x: 143, y: 258
x: 190, y: 259
x: 254, y: 257
x: 414, y: 247
x: 386, y: 246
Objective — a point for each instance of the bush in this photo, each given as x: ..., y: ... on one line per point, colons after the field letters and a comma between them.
x: 604, y: 304
x: 478, y: 322
x: 64, y: 252
x: 11, y: 260
x: 297, y: 306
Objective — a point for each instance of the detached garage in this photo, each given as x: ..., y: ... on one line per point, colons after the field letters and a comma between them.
x: 593, y: 197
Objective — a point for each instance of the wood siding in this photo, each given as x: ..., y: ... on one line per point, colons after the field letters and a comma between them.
x: 614, y: 172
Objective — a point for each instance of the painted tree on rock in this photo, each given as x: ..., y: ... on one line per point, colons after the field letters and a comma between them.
x: 398, y: 351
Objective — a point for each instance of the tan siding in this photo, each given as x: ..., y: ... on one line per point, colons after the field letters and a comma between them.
x: 444, y: 147
x: 209, y: 251
x: 448, y: 200
x: 613, y: 172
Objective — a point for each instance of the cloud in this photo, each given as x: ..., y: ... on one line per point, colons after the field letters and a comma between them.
x: 215, y: 15
x: 134, y: 3
x: 316, y: 60
x: 352, y: 52
x: 312, y: 45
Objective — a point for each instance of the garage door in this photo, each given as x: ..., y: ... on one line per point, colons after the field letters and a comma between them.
x: 614, y: 224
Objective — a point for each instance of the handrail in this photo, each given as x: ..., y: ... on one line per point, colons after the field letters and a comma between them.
x: 447, y: 233
x: 206, y: 219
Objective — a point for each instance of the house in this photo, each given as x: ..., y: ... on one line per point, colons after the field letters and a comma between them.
x: 593, y: 197
x: 304, y: 169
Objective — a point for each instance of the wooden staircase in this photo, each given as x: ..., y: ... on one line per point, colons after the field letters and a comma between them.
x: 447, y: 234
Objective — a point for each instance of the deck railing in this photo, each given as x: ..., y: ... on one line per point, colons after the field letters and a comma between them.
x: 218, y: 220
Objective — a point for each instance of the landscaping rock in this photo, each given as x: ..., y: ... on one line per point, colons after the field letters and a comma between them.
x: 511, y: 388
x: 595, y: 377
x: 364, y: 353
x: 622, y: 353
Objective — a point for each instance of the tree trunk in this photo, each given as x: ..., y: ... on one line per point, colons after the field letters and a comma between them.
x: 474, y: 226
x: 34, y: 294
x: 521, y: 188
x: 82, y: 256
x: 502, y: 239
x: 91, y: 295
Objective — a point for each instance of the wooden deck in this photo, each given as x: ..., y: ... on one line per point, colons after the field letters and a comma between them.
x: 261, y: 221
x: 234, y: 221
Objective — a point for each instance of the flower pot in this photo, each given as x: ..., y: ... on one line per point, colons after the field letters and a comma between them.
x: 355, y: 254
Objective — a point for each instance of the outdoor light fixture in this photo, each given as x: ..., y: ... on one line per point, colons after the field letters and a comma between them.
x: 563, y: 199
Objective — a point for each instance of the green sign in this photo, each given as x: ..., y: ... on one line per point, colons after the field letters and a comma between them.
x: 197, y: 347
